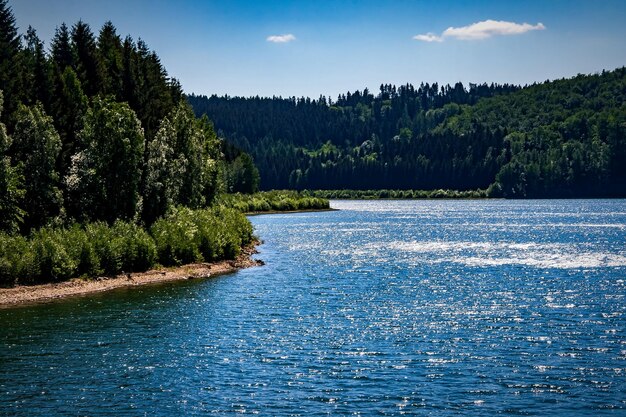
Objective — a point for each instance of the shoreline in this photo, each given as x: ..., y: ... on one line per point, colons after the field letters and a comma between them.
x: 26, y: 294
x: 260, y: 213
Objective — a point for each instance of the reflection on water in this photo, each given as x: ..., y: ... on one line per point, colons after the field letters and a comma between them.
x: 382, y: 308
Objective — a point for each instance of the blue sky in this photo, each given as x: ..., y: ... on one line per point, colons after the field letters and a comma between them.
x: 330, y: 47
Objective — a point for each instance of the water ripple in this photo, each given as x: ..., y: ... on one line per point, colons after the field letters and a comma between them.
x: 383, y: 308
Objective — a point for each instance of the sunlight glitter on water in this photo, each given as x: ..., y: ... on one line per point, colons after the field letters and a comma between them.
x: 383, y: 308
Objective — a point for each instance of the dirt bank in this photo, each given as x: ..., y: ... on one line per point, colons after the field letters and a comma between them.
x: 78, y: 286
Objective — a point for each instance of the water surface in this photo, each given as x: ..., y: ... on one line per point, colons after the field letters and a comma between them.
x: 381, y: 308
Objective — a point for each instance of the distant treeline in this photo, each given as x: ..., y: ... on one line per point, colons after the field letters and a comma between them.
x: 395, y: 194
x: 562, y: 138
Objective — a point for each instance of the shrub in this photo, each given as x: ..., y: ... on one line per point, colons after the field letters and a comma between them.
x: 184, y: 236
x: 15, y: 259
x: 138, y: 250
x: 53, y: 260
x: 176, y: 238
x: 81, y: 247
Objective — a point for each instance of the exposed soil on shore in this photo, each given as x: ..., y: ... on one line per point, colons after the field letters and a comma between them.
x: 80, y: 286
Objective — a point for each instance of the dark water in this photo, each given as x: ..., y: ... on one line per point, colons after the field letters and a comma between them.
x: 382, y: 308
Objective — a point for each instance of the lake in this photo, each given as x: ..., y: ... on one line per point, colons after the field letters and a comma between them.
x: 483, y: 307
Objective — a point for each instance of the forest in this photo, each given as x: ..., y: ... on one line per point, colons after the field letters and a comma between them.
x: 94, y: 129
x: 103, y: 166
x: 562, y: 138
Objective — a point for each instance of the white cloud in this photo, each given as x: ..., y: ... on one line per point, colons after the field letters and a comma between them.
x: 488, y: 28
x: 288, y: 37
x: 481, y: 30
x: 428, y: 37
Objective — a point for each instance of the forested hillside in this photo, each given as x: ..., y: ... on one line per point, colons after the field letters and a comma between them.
x: 563, y: 138
x: 103, y: 166
x: 92, y: 128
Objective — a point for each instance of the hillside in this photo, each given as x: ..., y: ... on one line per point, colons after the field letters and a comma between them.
x: 563, y: 138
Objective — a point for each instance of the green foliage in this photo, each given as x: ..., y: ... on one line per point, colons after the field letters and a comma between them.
x: 107, y: 99
x: 89, y: 162
x: 242, y: 176
x: 277, y: 200
x: 36, y: 76
x: 68, y: 107
x: 122, y: 247
x: 11, y: 195
x: 186, y: 235
x: 86, y: 62
x: 105, y: 177
x: 15, y: 259
x: 9, y: 61
x: 397, y: 194
x: 182, y: 164
x: 53, y: 257
x: 564, y: 138
x: 110, y: 51
x: 37, y: 145
x: 11, y: 185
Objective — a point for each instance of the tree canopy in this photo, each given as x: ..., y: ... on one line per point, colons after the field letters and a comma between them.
x: 563, y: 138
x: 95, y: 130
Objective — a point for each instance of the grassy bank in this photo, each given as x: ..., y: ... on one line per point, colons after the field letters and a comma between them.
x: 396, y: 194
x: 184, y: 236
x: 94, y: 249
x: 267, y: 201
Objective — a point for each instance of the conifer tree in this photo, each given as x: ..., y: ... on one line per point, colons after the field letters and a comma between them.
x: 68, y: 107
x: 86, y: 63
x: 130, y: 79
x: 9, y: 60
x: 61, y: 50
x: 110, y: 55
x: 36, y: 72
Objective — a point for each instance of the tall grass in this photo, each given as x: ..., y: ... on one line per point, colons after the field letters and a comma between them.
x: 273, y: 201
x: 184, y: 236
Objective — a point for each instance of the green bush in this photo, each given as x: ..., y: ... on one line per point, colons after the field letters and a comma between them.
x: 81, y: 247
x: 54, y: 262
x: 277, y: 200
x: 176, y: 238
x: 138, y: 250
x: 397, y: 194
x: 15, y: 259
x: 107, y: 247
x: 184, y: 236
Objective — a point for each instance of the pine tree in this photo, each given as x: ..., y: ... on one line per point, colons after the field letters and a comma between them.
x: 9, y: 60
x: 36, y: 72
x: 110, y: 55
x: 61, y: 50
x: 86, y: 63
x: 130, y: 79
x: 68, y: 107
